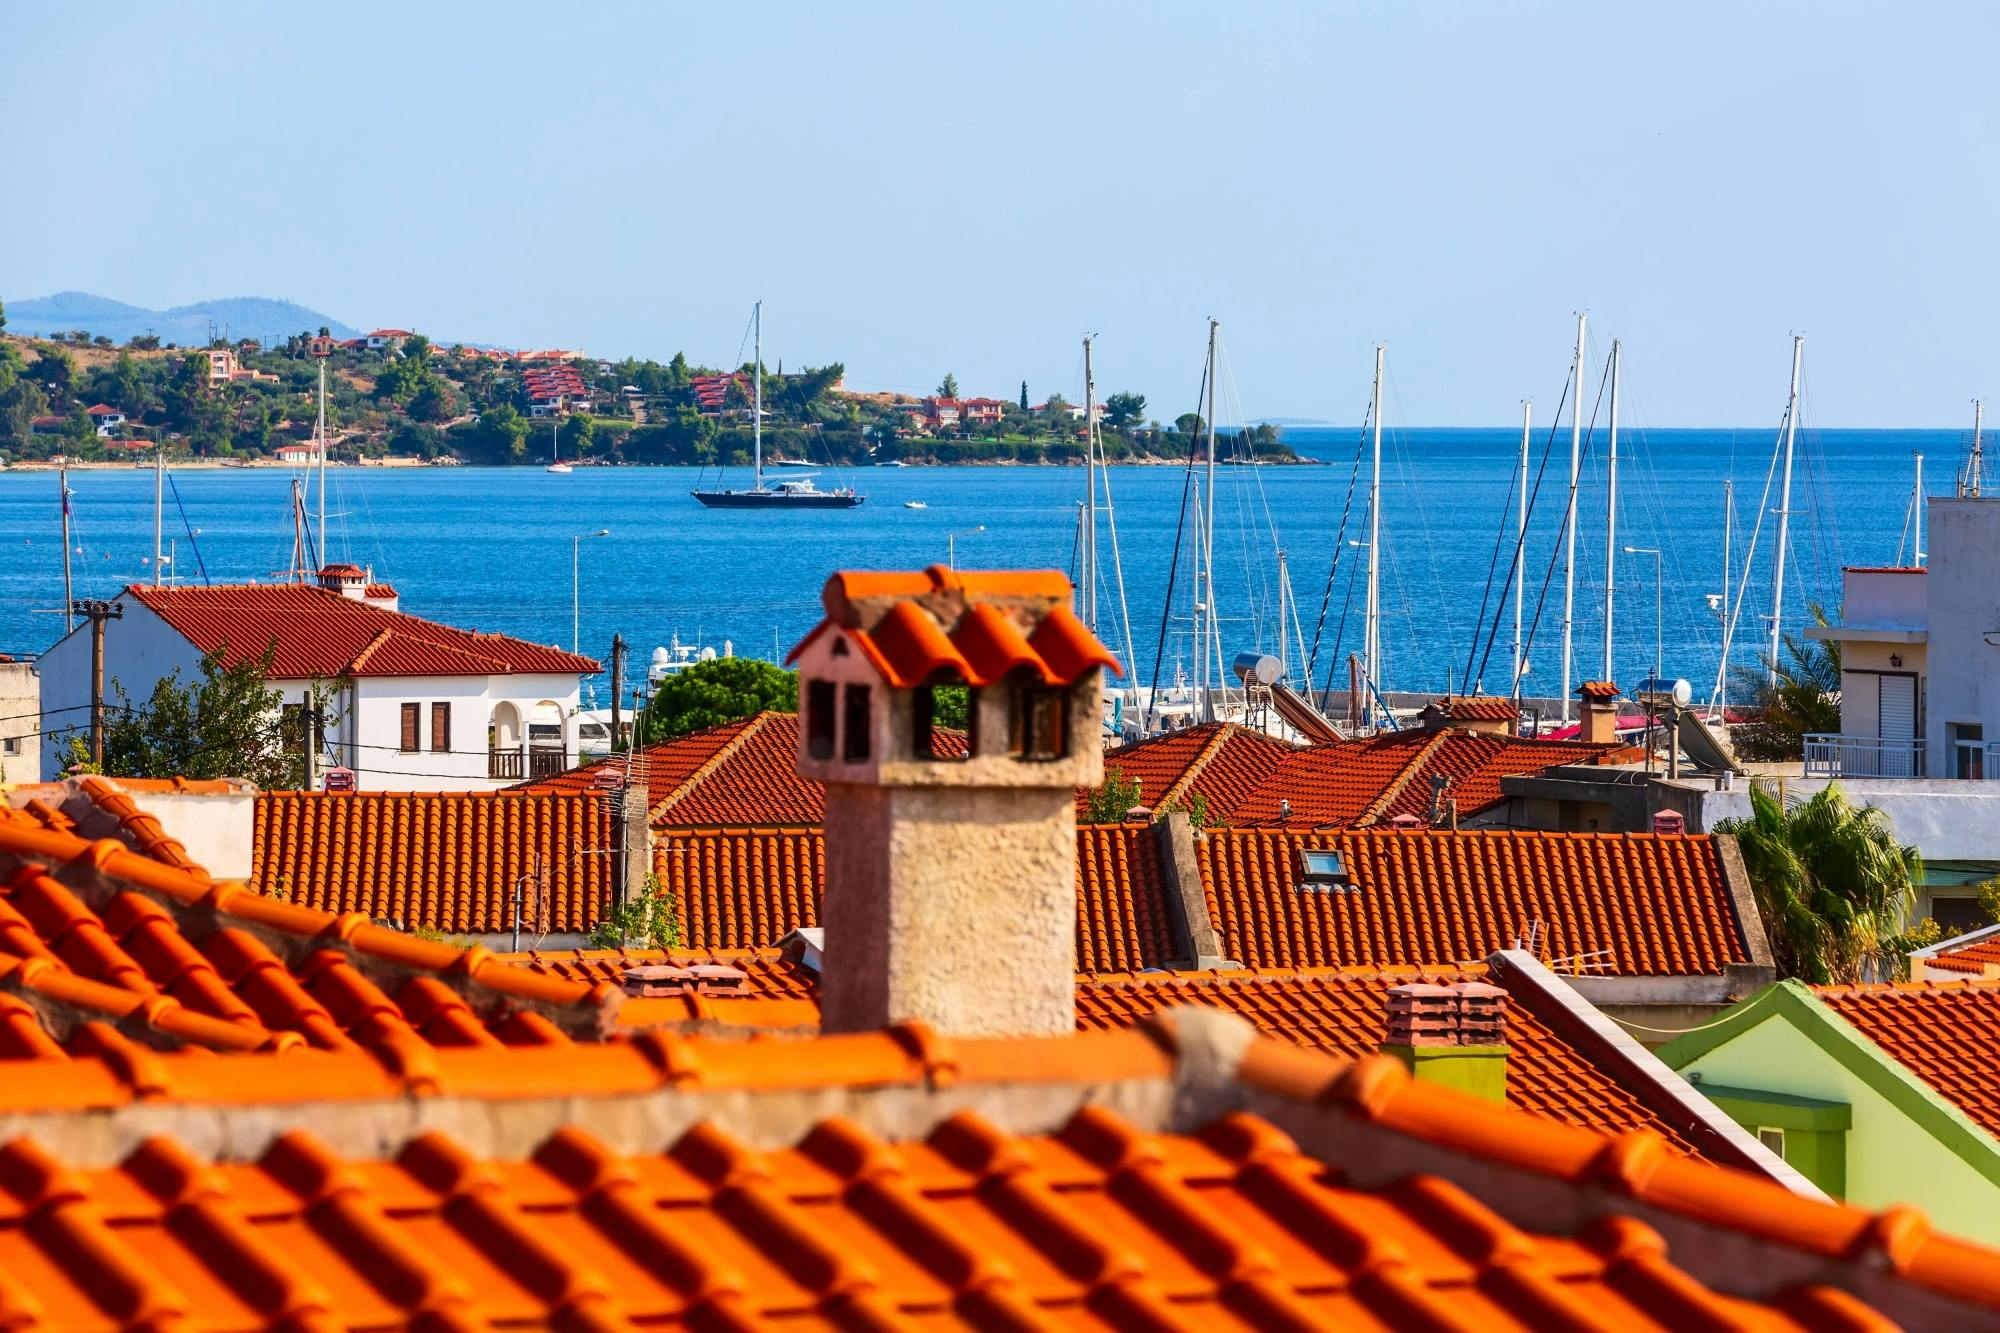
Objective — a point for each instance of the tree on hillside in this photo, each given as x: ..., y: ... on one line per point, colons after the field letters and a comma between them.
x: 500, y: 435
x: 55, y: 372
x: 1805, y: 698
x: 1024, y: 395
x: 1190, y: 423
x: 1125, y: 409
x: 227, y: 723
x: 3, y: 316
x: 576, y: 435
x: 948, y: 389
x: 1832, y: 883
x: 711, y: 693
x: 21, y: 399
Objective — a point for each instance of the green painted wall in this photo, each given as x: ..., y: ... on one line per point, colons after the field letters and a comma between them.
x: 1479, y: 1070
x: 1815, y: 1131
x: 1891, y: 1158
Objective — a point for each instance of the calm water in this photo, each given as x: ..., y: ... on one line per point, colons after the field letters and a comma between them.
x: 490, y: 548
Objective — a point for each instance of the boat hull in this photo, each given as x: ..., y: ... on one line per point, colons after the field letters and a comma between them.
x: 774, y: 500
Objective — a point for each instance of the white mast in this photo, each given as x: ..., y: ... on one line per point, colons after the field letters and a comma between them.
x: 1089, y: 562
x: 1728, y: 522
x: 1521, y: 542
x: 69, y: 603
x: 1611, y: 521
x: 1569, y: 514
x: 757, y: 401
x: 1208, y: 545
x: 1372, y: 632
x: 1917, y: 502
x: 324, y: 556
x: 1785, y: 510
x: 159, y: 477
x: 1968, y: 487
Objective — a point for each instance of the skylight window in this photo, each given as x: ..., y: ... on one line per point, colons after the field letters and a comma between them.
x: 1325, y: 870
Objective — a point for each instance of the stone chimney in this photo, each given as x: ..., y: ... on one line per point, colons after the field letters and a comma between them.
x: 950, y: 861
x: 1669, y: 821
x: 1454, y: 1035
x: 1599, y: 712
x: 349, y: 581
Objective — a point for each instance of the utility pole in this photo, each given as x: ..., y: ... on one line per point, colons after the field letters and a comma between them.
x: 97, y: 612
x: 617, y: 684
x: 1785, y: 511
x: 1569, y: 513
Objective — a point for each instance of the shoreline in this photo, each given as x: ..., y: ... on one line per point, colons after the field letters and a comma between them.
x: 420, y: 465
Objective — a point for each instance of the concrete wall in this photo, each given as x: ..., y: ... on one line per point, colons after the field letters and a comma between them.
x: 1964, y: 612
x: 20, y: 722
x: 216, y: 829
x: 1946, y: 820
x: 1898, y: 600
x: 1890, y: 1159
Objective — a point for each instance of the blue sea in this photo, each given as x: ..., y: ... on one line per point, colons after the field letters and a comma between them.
x: 491, y: 548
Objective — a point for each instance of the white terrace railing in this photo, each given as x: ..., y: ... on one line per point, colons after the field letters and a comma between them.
x: 1832, y: 756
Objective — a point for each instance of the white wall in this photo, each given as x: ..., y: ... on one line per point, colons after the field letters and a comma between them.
x: 20, y: 722
x: 1964, y: 610
x: 1946, y: 820
x: 139, y: 648
x: 369, y: 739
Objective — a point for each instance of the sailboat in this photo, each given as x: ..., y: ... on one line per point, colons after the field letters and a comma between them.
x: 797, y: 493
x: 555, y: 444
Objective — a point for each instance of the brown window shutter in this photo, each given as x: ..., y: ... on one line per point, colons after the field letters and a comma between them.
x: 409, y: 728
x: 441, y: 727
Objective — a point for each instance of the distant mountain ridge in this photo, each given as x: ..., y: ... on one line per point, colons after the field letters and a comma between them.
x: 236, y: 316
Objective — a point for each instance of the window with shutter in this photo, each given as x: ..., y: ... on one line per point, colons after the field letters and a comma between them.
x: 440, y: 727
x: 410, y: 725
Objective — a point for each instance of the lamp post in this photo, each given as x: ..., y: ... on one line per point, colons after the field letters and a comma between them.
x: 576, y: 586
x: 951, y: 545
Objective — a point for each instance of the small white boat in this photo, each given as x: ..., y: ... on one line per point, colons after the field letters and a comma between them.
x: 915, y: 504
x: 564, y: 468
x: 555, y: 444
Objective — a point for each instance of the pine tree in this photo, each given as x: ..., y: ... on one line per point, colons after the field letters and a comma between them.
x: 1024, y: 395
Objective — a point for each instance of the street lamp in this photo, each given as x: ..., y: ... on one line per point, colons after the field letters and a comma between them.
x: 576, y: 586
x: 951, y: 545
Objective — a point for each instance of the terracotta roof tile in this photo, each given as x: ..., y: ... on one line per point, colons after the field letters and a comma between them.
x: 320, y: 633
x: 970, y: 626
x: 748, y: 888
x: 1477, y: 708
x: 1634, y: 904
x: 1944, y: 1032
x: 1979, y: 958
x: 445, y: 861
x: 1383, y: 1202
x: 1597, y: 689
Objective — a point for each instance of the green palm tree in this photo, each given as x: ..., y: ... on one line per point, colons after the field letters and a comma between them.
x: 1832, y: 882
x: 1804, y: 698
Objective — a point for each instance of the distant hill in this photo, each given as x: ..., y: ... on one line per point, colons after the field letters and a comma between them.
x: 237, y: 316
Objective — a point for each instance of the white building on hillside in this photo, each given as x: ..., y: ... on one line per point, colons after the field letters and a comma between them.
x: 415, y: 704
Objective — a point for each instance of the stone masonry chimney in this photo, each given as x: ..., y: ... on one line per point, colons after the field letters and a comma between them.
x: 1455, y: 1035
x: 1598, y: 712
x: 950, y: 861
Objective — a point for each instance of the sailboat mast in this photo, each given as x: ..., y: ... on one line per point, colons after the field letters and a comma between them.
x: 1090, y: 488
x: 1917, y: 502
x: 1969, y: 488
x: 757, y: 400
x: 323, y: 557
x: 1569, y: 513
x: 1728, y: 523
x: 1202, y: 682
x: 1521, y: 541
x: 159, y: 503
x: 1372, y: 634
x: 69, y: 618
x: 1785, y: 510
x: 1611, y: 521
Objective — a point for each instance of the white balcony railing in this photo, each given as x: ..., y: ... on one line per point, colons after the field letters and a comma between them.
x: 1831, y: 756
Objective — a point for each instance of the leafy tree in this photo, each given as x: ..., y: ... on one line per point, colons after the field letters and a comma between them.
x: 649, y: 917
x: 144, y: 342
x: 433, y: 402
x: 55, y: 372
x: 501, y: 435
x: 3, y: 316
x: 951, y: 706
x: 1832, y: 883
x: 711, y: 693
x: 1190, y: 423
x: 225, y: 724
x: 948, y: 389
x: 1124, y: 409
x: 1804, y: 699
x: 1112, y: 800
x: 576, y: 435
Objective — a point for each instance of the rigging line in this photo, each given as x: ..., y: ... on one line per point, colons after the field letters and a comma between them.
x: 1339, y: 544
x: 1556, y: 551
x: 1520, y: 538
x: 1749, y: 558
x: 1339, y: 637
x: 194, y: 545
x: 1174, y: 563
x: 1534, y: 498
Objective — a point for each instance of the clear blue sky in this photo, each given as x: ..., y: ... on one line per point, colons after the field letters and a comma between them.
x: 920, y: 188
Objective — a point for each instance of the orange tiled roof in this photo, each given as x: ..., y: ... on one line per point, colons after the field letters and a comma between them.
x: 1477, y: 708
x: 1944, y: 1032
x: 1597, y: 689
x: 1981, y: 958
x: 740, y: 774
x: 320, y: 633
x: 748, y: 888
x: 1246, y: 779
x: 716, y: 1197
x: 766, y: 974
x: 445, y: 861
x: 1630, y: 904
x: 975, y: 627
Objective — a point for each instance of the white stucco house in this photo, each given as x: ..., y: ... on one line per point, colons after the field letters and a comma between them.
x: 415, y: 704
